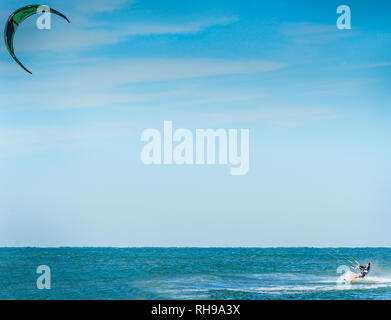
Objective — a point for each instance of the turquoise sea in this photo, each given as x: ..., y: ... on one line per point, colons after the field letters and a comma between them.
x: 192, y: 273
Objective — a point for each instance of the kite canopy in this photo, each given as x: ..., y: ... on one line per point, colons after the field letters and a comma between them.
x: 16, y: 19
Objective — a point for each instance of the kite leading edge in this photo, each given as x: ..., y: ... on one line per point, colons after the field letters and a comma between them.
x: 16, y: 19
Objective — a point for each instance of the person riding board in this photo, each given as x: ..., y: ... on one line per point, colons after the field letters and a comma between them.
x: 363, y: 271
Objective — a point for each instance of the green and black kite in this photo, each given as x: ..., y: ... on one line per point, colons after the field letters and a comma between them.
x: 16, y: 19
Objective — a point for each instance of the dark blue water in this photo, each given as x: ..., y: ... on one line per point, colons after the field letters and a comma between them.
x: 191, y: 273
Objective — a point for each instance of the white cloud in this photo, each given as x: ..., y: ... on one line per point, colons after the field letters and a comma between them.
x: 107, y: 73
x: 38, y: 139
x: 287, y: 116
x: 86, y: 84
x: 73, y: 37
x: 110, y: 73
x: 74, y: 99
x: 308, y: 32
x: 384, y: 64
x: 307, y: 28
x: 191, y: 27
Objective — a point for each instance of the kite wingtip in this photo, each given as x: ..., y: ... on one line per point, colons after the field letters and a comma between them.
x: 66, y: 18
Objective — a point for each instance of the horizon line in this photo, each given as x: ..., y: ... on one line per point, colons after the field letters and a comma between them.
x: 190, y: 247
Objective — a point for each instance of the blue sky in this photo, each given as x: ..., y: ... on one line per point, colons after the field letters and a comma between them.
x: 315, y: 98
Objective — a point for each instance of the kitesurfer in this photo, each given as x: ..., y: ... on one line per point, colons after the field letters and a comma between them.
x: 363, y: 271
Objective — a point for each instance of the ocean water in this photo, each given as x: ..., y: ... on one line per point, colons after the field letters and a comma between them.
x: 192, y: 273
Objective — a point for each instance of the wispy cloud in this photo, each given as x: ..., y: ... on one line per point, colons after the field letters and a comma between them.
x: 78, y: 37
x: 331, y: 86
x: 81, y: 99
x: 38, y: 139
x: 190, y: 27
x: 96, y: 83
x: 308, y: 32
x: 109, y: 73
x: 306, y: 28
x: 384, y: 64
x: 286, y: 116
